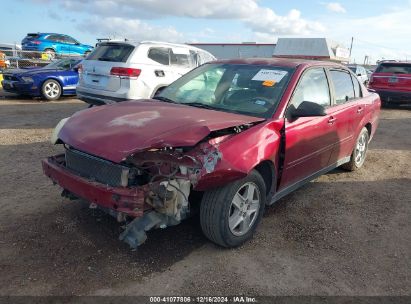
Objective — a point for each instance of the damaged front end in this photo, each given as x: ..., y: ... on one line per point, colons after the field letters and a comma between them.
x: 148, y: 189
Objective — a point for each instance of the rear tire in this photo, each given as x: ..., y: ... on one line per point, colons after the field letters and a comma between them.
x: 230, y: 214
x: 51, y: 90
x: 359, y: 153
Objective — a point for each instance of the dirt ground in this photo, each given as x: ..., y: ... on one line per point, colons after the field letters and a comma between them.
x: 343, y: 234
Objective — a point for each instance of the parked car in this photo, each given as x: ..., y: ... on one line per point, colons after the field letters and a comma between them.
x: 55, y: 79
x: 392, y: 81
x: 54, y: 44
x: 361, y: 73
x: 369, y: 73
x: 122, y: 70
x: 227, y: 139
x: 11, y: 52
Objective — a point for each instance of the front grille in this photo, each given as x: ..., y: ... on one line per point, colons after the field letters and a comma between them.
x: 97, y: 169
x: 9, y: 77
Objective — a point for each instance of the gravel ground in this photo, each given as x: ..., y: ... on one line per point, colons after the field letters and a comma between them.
x: 342, y: 234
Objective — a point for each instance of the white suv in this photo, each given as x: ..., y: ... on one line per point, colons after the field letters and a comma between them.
x: 361, y: 73
x: 122, y: 70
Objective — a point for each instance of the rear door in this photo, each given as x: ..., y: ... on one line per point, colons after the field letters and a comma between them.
x: 347, y: 111
x: 70, y: 46
x: 309, y: 140
x: 159, y: 71
x: 180, y: 61
x: 96, y: 68
x: 392, y: 76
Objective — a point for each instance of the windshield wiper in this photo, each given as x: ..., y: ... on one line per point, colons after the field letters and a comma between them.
x: 165, y: 99
x: 198, y: 105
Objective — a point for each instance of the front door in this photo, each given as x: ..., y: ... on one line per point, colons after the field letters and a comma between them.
x: 309, y: 140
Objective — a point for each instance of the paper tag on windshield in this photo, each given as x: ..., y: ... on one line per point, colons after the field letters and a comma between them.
x: 269, y: 75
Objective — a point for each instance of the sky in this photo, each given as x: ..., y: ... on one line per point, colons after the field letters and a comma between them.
x: 381, y: 29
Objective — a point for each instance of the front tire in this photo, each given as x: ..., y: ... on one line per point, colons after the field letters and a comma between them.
x: 230, y: 214
x: 51, y: 90
x: 359, y: 153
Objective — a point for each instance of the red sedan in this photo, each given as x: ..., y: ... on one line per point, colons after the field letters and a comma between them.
x: 225, y: 140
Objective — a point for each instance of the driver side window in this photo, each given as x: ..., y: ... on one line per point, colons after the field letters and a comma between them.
x: 313, y: 87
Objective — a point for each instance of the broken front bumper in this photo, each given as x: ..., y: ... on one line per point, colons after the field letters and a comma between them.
x: 128, y: 200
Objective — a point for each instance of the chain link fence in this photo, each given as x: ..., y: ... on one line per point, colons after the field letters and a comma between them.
x: 18, y: 59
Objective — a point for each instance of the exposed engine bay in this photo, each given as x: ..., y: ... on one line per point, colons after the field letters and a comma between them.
x: 162, y: 180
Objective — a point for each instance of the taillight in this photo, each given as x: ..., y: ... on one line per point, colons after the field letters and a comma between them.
x: 36, y: 42
x: 125, y: 72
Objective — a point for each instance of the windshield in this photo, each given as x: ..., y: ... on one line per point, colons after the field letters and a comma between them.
x: 63, y: 64
x: 238, y: 88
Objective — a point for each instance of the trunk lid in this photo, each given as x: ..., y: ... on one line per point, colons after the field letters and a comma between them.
x: 96, y: 71
x: 115, y: 131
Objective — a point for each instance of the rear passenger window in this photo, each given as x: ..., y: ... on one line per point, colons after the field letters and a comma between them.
x: 312, y: 87
x: 357, y: 87
x: 343, y: 86
x: 160, y: 55
x: 113, y: 52
x: 180, y: 57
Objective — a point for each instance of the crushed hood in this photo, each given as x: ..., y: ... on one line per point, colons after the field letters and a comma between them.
x: 115, y: 131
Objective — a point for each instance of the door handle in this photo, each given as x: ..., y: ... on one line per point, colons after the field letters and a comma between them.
x: 360, y: 110
x: 159, y: 73
x: 331, y: 120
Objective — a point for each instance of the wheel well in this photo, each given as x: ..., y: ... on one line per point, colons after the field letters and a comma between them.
x: 267, y: 171
x: 49, y: 48
x: 368, y: 126
x: 159, y: 90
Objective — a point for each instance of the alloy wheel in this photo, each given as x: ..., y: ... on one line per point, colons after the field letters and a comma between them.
x: 244, y: 209
x: 360, y: 149
x: 51, y: 89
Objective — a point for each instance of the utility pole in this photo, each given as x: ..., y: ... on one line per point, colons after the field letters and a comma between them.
x: 352, y: 40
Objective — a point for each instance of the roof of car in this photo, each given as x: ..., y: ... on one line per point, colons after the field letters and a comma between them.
x: 286, y: 62
x: 395, y: 62
x: 135, y: 43
x: 156, y: 43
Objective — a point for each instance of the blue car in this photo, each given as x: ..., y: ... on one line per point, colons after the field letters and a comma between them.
x: 54, y: 44
x: 51, y: 81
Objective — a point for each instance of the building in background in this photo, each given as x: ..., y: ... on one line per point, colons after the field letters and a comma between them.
x: 312, y: 48
x: 238, y: 50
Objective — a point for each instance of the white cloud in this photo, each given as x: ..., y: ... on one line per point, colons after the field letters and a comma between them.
x: 116, y: 27
x: 378, y: 36
x: 335, y: 7
x: 257, y: 18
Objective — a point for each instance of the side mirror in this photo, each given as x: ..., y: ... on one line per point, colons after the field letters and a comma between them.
x: 308, y: 109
